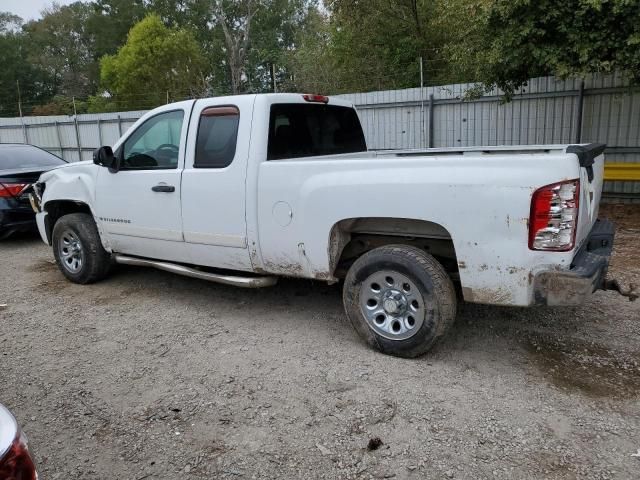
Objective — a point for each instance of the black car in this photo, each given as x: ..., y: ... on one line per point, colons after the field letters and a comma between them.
x: 20, y: 166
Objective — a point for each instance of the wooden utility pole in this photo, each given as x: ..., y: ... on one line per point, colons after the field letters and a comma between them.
x: 273, y: 77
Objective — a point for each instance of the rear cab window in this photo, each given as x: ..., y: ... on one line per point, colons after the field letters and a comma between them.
x: 304, y: 130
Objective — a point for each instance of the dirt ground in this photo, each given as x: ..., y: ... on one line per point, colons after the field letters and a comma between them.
x: 148, y: 375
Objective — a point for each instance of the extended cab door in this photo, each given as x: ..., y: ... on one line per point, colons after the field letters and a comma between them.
x: 214, y: 182
x: 138, y: 206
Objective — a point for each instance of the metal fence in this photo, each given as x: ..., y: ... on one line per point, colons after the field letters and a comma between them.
x: 598, y: 109
x: 547, y: 111
x: 72, y: 137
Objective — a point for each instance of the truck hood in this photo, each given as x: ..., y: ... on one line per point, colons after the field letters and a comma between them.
x: 68, y: 168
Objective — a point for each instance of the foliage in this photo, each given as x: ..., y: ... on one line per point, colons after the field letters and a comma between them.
x: 125, y: 54
x: 105, y: 103
x: 9, y: 22
x: 15, y: 72
x: 111, y: 21
x: 514, y: 40
x: 257, y: 37
x: 313, y: 66
x: 60, y: 105
x: 61, y: 44
x: 276, y: 33
x: 156, y: 63
x: 377, y: 44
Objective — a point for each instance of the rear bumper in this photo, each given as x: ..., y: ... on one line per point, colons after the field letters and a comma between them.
x: 15, y: 218
x: 587, y: 274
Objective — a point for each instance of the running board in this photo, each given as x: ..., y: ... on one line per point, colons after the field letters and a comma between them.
x: 237, y: 281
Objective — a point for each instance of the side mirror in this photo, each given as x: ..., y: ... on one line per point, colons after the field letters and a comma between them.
x: 104, y: 157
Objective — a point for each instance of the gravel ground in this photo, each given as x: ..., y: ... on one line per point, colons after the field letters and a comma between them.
x: 149, y: 375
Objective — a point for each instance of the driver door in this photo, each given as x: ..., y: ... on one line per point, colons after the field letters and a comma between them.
x: 138, y: 207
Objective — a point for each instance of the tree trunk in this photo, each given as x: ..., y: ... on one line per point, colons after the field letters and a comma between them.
x: 237, y: 43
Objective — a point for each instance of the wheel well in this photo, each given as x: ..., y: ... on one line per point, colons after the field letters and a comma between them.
x: 57, y: 209
x: 354, y: 237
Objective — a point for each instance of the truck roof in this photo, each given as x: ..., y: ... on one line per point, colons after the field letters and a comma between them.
x: 302, y: 98
x: 288, y: 98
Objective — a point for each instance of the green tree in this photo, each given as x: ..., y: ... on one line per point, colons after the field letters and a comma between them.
x: 256, y: 38
x: 510, y: 41
x: 278, y: 28
x: 372, y: 45
x: 156, y: 62
x: 60, y: 105
x: 111, y: 21
x: 9, y: 22
x: 235, y: 19
x: 314, y: 66
x: 16, y: 72
x: 61, y: 44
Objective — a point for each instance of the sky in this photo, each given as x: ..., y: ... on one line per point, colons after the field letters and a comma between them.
x: 28, y: 9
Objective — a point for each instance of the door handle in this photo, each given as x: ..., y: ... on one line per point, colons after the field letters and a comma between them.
x: 164, y: 188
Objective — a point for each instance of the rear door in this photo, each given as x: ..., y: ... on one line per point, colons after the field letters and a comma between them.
x: 214, y: 182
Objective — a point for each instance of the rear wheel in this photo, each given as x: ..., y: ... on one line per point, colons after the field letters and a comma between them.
x: 399, y: 299
x: 78, y: 250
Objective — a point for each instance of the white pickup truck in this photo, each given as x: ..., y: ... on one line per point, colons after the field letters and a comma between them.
x: 242, y: 190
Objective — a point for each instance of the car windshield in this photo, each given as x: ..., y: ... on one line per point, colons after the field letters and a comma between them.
x: 26, y: 156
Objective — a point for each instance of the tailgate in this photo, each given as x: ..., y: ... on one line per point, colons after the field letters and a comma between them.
x: 591, y: 160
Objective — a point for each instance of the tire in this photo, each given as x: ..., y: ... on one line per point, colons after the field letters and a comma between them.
x: 412, y: 312
x: 78, y: 250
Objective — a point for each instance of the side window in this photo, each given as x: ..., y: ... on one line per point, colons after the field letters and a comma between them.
x: 155, y: 144
x: 217, y: 137
x: 299, y: 130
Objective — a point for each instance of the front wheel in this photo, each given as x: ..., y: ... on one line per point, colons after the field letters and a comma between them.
x: 78, y: 250
x: 399, y: 299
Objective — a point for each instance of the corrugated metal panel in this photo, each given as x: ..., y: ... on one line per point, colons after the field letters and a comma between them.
x: 72, y: 138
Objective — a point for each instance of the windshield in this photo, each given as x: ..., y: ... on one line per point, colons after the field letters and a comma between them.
x: 13, y: 157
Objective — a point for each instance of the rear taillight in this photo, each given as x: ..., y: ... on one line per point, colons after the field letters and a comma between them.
x: 8, y: 190
x: 554, y: 216
x: 16, y: 463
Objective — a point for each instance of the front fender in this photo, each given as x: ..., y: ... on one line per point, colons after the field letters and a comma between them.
x: 72, y: 185
x: 75, y: 183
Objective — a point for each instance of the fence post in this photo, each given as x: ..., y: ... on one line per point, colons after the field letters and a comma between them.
x: 119, y: 126
x: 59, y: 139
x: 579, y: 112
x: 431, y: 103
x: 422, y: 122
x: 25, y: 138
x: 99, y: 133
x: 75, y: 124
